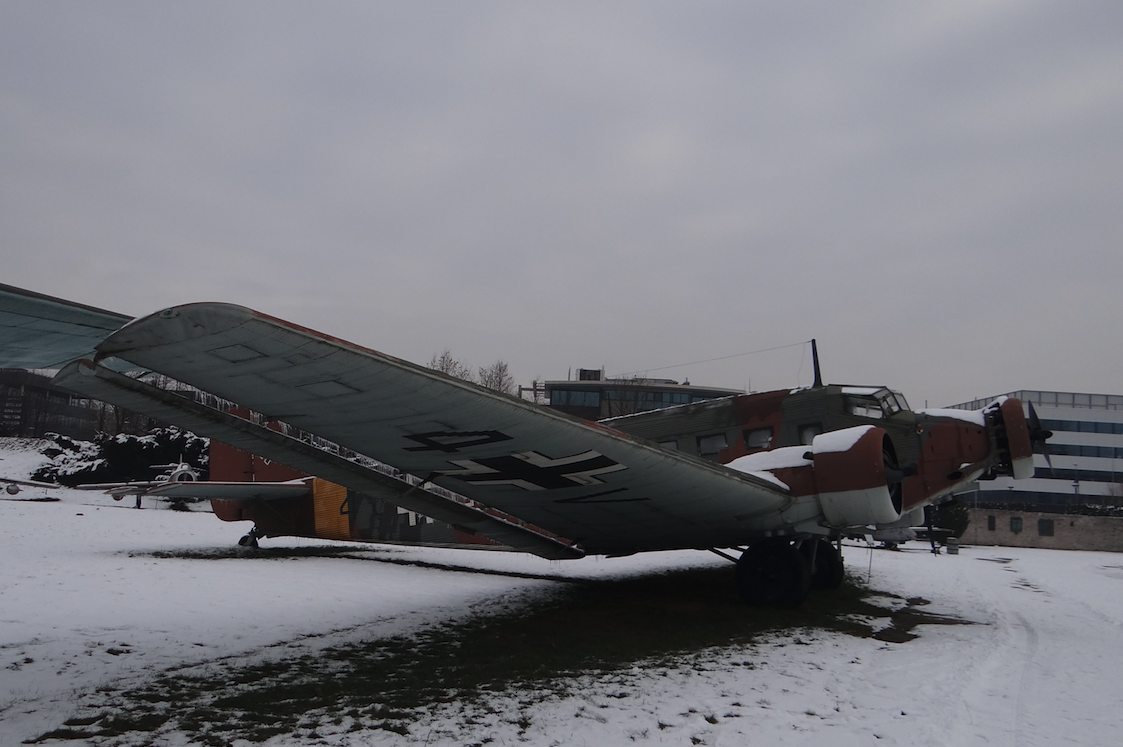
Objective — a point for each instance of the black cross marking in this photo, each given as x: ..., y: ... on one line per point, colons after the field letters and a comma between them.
x: 533, y: 471
x: 452, y: 441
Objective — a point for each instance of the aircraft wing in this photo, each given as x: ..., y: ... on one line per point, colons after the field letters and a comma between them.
x: 38, y: 331
x: 28, y: 483
x: 528, y: 468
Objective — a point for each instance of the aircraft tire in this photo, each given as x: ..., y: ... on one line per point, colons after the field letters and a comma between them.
x: 248, y: 540
x: 829, y: 570
x: 773, y: 573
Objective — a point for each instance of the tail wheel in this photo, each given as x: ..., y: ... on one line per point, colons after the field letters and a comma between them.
x: 773, y: 573
x: 250, y: 538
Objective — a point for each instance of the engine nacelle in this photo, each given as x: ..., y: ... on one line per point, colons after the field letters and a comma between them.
x: 850, y: 477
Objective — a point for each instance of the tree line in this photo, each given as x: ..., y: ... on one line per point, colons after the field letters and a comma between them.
x: 496, y: 377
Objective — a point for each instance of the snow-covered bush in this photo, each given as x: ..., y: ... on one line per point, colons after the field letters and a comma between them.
x: 123, y: 457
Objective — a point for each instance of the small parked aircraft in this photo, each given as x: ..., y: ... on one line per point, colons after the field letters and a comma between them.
x: 774, y: 476
x: 13, y: 487
x: 178, y: 473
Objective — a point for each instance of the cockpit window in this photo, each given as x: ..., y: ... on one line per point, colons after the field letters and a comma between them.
x: 892, y: 402
x: 883, y: 403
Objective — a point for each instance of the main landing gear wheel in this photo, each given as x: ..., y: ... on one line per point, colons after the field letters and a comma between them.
x: 773, y: 573
x: 827, y: 571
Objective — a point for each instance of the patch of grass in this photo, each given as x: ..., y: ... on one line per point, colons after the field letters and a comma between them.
x: 386, y: 683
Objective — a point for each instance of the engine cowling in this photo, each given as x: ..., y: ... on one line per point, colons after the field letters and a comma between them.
x: 851, y: 478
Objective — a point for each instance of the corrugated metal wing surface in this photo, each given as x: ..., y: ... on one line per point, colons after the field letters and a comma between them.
x: 600, y: 487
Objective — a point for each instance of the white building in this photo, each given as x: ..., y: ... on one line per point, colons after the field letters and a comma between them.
x: 1086, y: 450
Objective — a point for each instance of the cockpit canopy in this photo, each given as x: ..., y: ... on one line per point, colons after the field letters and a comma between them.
x: 874, y: 402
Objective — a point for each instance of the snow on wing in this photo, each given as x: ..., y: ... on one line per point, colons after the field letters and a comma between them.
x: 579, y: 479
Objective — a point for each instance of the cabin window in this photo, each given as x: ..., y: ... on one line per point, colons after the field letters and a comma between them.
x: 1045, y: 527
x: 1016, y: 524
x: 990, y: 523
x: 808, y: 432
x: 672, y: 445
x: 758, y: 438
x: 712, y: 444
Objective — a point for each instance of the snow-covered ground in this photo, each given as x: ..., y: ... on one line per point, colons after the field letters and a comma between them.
x: 94, y: 593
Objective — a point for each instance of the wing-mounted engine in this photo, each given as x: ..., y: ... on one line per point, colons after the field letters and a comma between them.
x: 856, y: 478
x: 1013, y: 444
x: 851, y: 475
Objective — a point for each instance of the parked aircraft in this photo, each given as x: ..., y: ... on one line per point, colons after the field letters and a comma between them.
x: 178, y: 473
x: 774, y: 476
x: 13, y: 487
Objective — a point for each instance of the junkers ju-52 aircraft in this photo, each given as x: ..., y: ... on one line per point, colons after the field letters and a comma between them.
x: 775, y: 476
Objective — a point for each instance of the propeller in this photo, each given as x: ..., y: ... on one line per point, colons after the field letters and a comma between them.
x: 895, y: 474
x: 1038, y: 437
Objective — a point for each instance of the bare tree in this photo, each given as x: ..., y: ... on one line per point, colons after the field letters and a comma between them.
x: 497, y: 377
x: 445, y: 363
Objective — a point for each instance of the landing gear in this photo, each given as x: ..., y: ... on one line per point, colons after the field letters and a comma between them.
x: 250, y: 539
x: 773, y: 572
x: 827, y: 571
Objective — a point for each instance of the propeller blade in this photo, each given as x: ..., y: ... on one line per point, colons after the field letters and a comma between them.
x: 1039, y: 437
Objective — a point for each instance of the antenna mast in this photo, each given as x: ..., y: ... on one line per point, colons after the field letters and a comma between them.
x: 815, y: 363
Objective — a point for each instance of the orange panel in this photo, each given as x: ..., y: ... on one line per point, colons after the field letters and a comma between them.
x: 329, y: 502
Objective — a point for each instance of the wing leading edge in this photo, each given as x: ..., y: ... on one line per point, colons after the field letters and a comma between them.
x: 607, y: 491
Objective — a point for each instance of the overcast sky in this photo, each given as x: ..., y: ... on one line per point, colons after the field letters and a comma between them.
x: 932, y: 190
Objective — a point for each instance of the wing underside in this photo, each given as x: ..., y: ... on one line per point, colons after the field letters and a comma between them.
x: 266, y: 491
x: 572, y: 480
x: 38, y: 331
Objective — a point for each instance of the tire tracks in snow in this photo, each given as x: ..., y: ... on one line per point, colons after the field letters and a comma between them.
x: 994, y: 696
x: 1047, y: 677
x: 1025, y: 680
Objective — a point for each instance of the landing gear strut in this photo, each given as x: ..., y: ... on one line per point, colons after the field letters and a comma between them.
x: 827, y: 571
x: 773, y: 572
x: 250, y: 539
